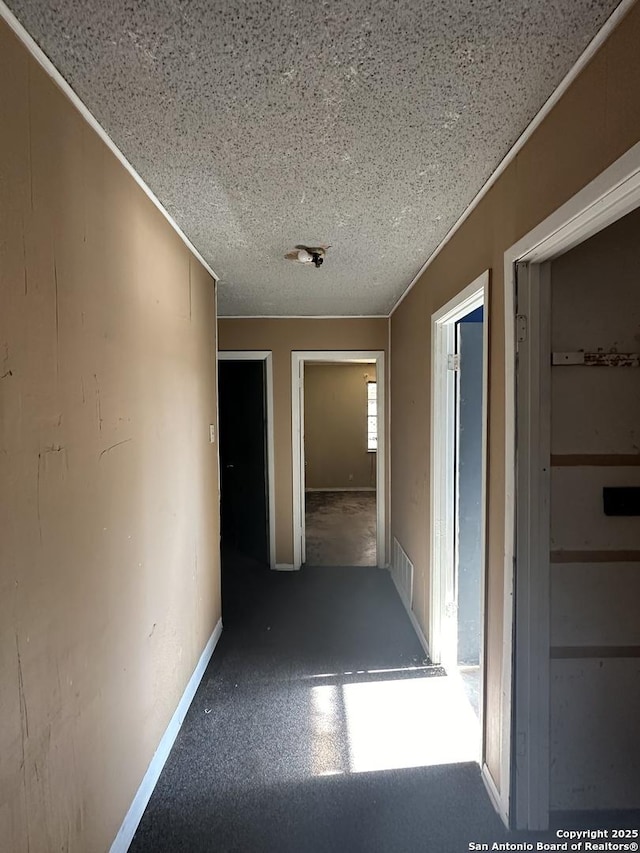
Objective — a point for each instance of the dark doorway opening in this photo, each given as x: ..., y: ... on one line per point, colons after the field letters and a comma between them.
x: 244, y: 501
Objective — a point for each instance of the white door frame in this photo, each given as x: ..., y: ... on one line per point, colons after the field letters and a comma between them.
x: 266, y: 356
x: 298, y: 360
x: 443, y: 441
x: 524, y: 788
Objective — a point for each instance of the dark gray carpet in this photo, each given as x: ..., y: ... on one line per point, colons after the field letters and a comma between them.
x: 243, y: 774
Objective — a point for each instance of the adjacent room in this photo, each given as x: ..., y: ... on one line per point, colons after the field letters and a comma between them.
x: 594, y: 536
x: 340, y: 444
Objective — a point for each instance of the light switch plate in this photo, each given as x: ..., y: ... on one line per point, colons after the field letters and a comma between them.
x: 212, y: 433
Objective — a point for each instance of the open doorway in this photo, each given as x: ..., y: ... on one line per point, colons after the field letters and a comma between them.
x: 338, y: 458
x: 246, y: 455
x: 571, y: 558
x: 340, y: 446
x: 458, y: 466
x: 469, y: 500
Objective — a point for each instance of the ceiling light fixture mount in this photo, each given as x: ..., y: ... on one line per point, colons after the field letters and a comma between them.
x: 308, y: 255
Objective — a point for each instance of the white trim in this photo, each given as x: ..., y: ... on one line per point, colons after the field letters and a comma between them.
x: 45, y: 63
x: 133, y: 817
x: 266, y: 356
x: 299, y: 494
x: 298, y: 360
x: 509, y: 536
x: 442, y: 477
x: 609, y: 196
x: 343, y: 489
x: 388, y: 427
x: 244, y: 355
x: 494, y: 795
x: 583, y: 60
x: 612, y: 194
x: 484, y: 515
x: 285, y: 567
x: 530, y: 800
x: 303, y: 316
x: 217, y: 380
x: 414, y: 621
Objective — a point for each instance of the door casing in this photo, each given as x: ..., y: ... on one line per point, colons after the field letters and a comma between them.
x: 442, y: 485
x: 524, y: 763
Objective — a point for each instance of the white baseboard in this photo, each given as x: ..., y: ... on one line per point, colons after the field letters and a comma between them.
x: 414, y: 621
x: 494, y: 794
x: 143, y: 795
x: 285, y: 567
x: 344, y: 489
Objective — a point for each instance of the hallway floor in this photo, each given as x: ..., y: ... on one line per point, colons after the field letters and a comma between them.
x: 319, y: 728
x: 340, y: 528
x: 470, y: 677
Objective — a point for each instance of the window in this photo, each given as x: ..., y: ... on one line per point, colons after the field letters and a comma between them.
x: 372, y: 417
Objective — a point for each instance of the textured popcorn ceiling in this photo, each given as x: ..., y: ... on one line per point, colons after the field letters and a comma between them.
x: 366, y: 125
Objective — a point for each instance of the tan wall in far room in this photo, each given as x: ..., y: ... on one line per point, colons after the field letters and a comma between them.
x: 282, y: 337
x: 109, y: 542
x: 593, y: 123
x: 335, y: 426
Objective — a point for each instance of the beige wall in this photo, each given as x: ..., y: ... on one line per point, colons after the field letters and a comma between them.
x: 282, y: 337
x: 596, y: 121
x: 335, y: 426
x: 109, y: 575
